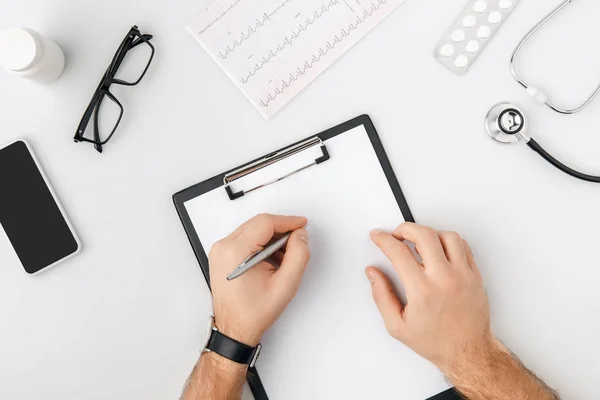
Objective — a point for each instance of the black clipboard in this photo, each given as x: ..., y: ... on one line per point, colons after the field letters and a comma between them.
x: 220, y: 180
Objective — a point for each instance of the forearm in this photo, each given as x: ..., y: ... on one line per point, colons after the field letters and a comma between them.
x: 215, y: 378
x: 491, y: 372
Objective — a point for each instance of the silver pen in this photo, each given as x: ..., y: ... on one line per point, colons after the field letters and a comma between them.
x: 254, y: 259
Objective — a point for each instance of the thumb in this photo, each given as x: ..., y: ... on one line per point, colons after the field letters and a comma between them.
x: 287, y: 279
x: 387, y: 301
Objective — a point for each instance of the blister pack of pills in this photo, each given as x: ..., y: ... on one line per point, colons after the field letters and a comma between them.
x: 471, y: 32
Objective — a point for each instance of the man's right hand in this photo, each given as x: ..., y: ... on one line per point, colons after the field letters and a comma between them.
x: 447, y: 312
x: 446, y: 318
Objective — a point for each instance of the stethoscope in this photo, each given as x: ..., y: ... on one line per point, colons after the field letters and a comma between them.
x: 507, y: 123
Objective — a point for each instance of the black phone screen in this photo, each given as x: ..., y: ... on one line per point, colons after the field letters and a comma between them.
x: 29, y: 214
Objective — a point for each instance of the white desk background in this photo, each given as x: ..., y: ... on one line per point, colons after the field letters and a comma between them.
x: 123, y: 320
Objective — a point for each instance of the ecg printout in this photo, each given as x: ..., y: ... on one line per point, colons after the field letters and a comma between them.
x: 272, y: 49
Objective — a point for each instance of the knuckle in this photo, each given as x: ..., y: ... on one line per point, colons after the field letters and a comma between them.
x: 304, y: 256
x: 393, y: 327
x: 402, y: 226
x: 223, y: 251
x: 382, y: 295
x: 262, y: 218
x: 466, y: 244
x: 429, y: 233
x: 390, y: 330
x: 217, y: 248
x: 378, y: 297
x: 307, y: 255
x: 402, y: 249
x: 454, y: 236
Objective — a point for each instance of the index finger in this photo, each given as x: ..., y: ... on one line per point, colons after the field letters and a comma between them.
x: 426, y: 240
x: 400, y: 255
x: 259, y: 231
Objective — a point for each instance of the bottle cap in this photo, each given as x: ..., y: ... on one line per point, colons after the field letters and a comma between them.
x: 19, y: 49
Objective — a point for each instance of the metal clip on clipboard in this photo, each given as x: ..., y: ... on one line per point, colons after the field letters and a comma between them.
x: 271, y: 159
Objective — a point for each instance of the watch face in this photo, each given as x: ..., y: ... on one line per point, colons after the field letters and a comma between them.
x: 208, y: 333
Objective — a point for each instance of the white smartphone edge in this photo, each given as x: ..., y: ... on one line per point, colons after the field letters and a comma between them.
x: 58, y: 204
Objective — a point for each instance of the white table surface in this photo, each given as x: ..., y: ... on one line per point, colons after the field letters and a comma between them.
x: 123, y: 320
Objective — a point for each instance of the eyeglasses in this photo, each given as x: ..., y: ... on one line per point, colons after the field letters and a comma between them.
x: 105, y: 109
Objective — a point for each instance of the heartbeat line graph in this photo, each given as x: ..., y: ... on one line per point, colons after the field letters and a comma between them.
x: 289, y: 40
x: 272, y: 49
x: 316, y: 58
x: 259, y: 23
x: 219, y: 17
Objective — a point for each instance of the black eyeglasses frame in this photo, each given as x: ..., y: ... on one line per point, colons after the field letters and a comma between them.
x: 134, y: 38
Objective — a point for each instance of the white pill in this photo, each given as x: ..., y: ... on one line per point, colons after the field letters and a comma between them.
x: 458, y: 35
x: 447, y: 50
x: 461, y: 61
x: 472, y: 46
x: 469, y: 21
x: 484, y: 32
x: 480, y: 6
x: 495, y: 17
x: 504, y: 4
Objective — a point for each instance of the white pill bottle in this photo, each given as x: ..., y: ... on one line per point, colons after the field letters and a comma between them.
x: 26, y: 53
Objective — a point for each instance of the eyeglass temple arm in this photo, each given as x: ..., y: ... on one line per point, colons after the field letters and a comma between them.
x: 96, y: 117
x: 121, y: 56
x: 140, y: 41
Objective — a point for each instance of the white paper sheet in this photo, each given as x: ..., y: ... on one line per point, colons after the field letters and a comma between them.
x: 330, y: 343
x: 272, y: 49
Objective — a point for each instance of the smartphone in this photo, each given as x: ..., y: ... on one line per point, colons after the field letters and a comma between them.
x: 30, y: 214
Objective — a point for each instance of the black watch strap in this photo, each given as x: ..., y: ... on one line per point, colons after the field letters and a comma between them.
x: 232, y: 349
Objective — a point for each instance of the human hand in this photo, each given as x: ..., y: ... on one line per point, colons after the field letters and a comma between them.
x: 246, y: 307
x: 446, y: 316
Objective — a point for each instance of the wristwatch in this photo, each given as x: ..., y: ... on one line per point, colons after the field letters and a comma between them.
x: 231, y: 349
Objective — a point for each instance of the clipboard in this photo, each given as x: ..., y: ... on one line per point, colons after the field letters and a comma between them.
x: 227, y: 182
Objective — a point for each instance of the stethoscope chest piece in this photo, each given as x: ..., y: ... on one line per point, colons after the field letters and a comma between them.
x: 507, y: 123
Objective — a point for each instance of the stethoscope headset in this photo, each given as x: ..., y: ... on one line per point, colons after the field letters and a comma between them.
x: 507, y: 123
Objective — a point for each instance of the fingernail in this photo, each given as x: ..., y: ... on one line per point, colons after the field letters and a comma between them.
x: 303, y: 235
x: 370, y: 276
x: 376, y: 231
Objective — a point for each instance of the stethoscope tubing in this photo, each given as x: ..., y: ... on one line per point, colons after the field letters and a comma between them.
x: 533, y: 145
x: 503, y: 133
x: 517, y: 77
